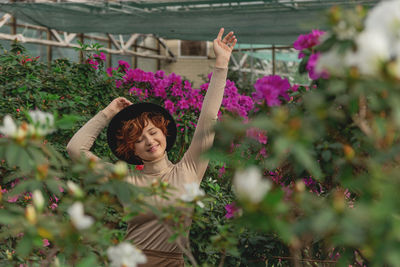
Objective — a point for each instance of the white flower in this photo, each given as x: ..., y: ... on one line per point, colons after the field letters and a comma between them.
x: 43, y: 122
x: 38, y: 200
x: 78, y: 218
x: 9, y: 127
x: 75, y: 189
x: 121, y: 168
x: 345, y: 30
x: 385, y: 18
x: 331, y: 61
x: 372, y: 50
x: 41, y: 117
x: 380, y: 40
x: 193, y: 191
x: 250, y: 185
x: 125, y: 255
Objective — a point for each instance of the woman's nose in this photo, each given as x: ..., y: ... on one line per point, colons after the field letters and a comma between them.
x: 149, y: 140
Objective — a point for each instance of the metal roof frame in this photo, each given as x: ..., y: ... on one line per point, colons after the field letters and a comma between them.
x: 262, y: 22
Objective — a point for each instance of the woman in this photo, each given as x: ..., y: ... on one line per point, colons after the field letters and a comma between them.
x: 142, y: 133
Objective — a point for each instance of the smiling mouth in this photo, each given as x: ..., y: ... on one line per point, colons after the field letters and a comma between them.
x: 153, y: 148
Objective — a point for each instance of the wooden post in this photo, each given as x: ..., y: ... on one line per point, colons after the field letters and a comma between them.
x: 273, y: 60
x: 109, y: 58
x: 13, y: 23
x: 251, y: 63
x: 49, y: 49
x: 13, y: 26
x: 81, y: 55
x: 134, y: 59
x: 159, y: 52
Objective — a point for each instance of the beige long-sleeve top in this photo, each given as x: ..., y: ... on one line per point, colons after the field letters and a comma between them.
x: 145, y: 230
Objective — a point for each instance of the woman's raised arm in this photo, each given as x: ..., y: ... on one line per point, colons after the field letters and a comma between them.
x: 204, y: 135
x: 84, y: 138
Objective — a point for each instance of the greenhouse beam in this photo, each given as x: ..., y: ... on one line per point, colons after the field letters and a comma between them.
x: 64, y: 39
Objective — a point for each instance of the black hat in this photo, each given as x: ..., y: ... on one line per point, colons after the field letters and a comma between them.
x: 134, y: 111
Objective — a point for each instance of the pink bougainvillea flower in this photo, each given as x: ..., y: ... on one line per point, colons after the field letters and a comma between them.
x: 257, y: 134
x: 110, y: 71
x: 270, y: 88
x: 305, y: 41
x: 295, y: 87
x: 309, y: 181
x: 94, y: 64
x: 183, y: 104
x: 263, y: 152
x: 170, y: 106
x: 13, y: 199
x: 160, y: 74
x: 124, y: 65
x: 118, y: 83
x: 221, y: 171
x: 231, y: 210
x: 46, y: 242
x: 102, y: 56
x: 312, y: 73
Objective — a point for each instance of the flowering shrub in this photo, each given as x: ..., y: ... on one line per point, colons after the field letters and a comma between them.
x: 270, y: 88
x: 333, y: 150
x: 178, y: 96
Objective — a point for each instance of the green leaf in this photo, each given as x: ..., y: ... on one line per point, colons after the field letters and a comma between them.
x: 25, y: 162
x: 88, y: 262
x: 7, y: 218
x: 53, y: 186
x: 68, y: 121
x: 303, y: 156
x: 24, y: 247
x: 36, y: 155
x: 122, y: 191
x: 353, y: 106
x: 12, y: 154
x: 326, y: 155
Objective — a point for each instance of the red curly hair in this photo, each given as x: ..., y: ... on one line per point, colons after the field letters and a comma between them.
x: 131, y: 131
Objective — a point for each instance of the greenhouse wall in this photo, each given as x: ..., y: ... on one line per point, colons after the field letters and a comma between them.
x: 192, y: 68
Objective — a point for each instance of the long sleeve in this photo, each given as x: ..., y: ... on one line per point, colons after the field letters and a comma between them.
x: 204, y: 134
x: 84, y: 138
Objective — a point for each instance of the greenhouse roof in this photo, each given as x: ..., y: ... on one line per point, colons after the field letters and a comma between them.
x: 257, y: 22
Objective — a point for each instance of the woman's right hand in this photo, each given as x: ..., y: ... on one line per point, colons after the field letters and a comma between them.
x: 116, y: 106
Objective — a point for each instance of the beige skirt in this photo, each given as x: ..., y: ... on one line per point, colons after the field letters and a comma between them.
x: 162, y: 259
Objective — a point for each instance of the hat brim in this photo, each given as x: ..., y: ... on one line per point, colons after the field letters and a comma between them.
x: 134, y: 111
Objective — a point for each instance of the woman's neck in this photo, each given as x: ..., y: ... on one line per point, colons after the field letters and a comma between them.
x: 157, y: 166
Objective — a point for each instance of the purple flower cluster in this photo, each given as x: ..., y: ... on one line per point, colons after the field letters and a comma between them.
x: 308, y: 41
x: 270, y: 88
x: 305, y: 41
x: 257, y: 134
x: 231, y: 210
x: 177, y: 94
x: 95, y: 60
x: 235, y: 102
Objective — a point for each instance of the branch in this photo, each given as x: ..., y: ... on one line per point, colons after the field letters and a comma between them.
x: 360, y: 119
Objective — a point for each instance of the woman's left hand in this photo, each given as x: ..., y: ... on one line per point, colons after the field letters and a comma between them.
x: 223, y: 48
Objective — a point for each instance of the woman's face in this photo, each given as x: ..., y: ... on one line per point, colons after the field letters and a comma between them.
x: 151, y: 144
